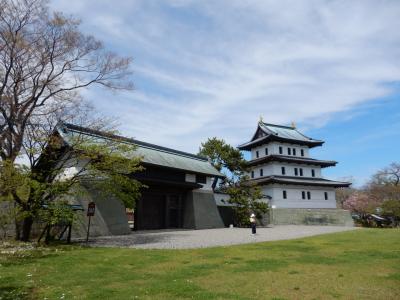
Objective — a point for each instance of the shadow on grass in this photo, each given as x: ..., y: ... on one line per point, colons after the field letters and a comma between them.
x: 15, y: 293
x: 133, y: 239
x: 25, y: 258
x: 394, y: 276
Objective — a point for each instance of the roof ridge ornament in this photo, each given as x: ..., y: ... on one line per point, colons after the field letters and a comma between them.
x: 293, y: 125
x: 261, y: 120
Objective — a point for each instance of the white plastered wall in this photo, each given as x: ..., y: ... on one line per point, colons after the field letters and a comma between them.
x: 192, y: 178
x: 294, y: 196
x: 273, y: 148
x: 275, y: 168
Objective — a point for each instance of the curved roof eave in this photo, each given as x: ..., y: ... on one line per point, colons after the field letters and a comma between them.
x: 291, y: 159
x: 289, y: 180
x: 279, y: 133
x: 151, y: 154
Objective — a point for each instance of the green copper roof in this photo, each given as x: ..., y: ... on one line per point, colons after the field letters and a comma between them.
x: 151, y: 154
x: 284, y: 132
x: 270, y: 132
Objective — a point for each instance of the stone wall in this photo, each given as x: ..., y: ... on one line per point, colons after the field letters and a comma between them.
x: 200, y: 211
x: 109, y: 219
x: 298, y: 216
x: 7, y: 223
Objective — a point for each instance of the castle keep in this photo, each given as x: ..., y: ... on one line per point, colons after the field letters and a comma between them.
x: 292, y: 181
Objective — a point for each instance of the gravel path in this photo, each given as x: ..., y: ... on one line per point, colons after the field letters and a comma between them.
x: 186, y: 239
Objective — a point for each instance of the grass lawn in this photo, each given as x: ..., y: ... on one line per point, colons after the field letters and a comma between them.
x: 360, y: 264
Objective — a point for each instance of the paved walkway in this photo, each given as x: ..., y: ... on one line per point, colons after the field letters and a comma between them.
x: 186, y: 239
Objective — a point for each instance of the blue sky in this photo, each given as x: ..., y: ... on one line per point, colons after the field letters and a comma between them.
x: 211, y: 68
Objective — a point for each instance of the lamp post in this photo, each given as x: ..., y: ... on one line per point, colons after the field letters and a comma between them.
x: 272, y: 214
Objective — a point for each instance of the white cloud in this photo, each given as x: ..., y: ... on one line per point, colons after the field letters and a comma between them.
x: 210, y: 68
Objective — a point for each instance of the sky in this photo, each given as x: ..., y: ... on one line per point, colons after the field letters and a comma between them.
x: 212, y: 68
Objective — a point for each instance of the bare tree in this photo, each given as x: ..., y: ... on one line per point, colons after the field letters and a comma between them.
x: 44, y: 62
x: 385, y: 184
x: 388, y: 175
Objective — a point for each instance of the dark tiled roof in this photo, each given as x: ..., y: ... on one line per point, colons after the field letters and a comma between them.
x: 291, y: 159
x: 290, y: 180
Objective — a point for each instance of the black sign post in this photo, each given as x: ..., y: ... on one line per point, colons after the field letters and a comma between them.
x: 90, y: 213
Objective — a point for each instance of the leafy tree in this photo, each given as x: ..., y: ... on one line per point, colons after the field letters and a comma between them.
x: 224, y: 157
x: 40, y: 192
x: 246, y: 196
x: 391, y: 208
x: 342, y: 194
x: 362, y: 202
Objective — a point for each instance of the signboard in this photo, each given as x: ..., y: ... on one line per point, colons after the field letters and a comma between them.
x: 90, y: 213
x: 91, y: 209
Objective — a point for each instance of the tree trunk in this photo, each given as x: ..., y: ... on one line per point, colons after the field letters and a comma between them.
x: 26, y: 228
x: 17, y: 229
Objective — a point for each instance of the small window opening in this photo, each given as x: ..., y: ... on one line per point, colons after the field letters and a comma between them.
x: 201, y: 178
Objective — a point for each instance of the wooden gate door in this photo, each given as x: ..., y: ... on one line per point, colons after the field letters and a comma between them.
x: 174, y: 211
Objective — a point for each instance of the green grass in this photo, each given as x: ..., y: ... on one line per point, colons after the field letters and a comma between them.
x: 361, y: 264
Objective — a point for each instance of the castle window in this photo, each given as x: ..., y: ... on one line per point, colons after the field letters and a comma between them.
x: 296, y: 172
x: 283, y: 171
x: 289, y: 151
x: 326, y: 195
x: 302, y: 152
x: 266, y: 151
x: 301, y: 172
x: 201, y: 179
x: 257, y: 154
x: 294, y: 151
x: 261, y: 172
x: 309, y: 195
x: 284, y: 194
x: 313, y: 173
x: 252, y: 174
x: 280, y: 150
x: 303, y: 195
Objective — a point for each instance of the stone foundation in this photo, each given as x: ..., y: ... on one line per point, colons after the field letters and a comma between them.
x: 312, y: 216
